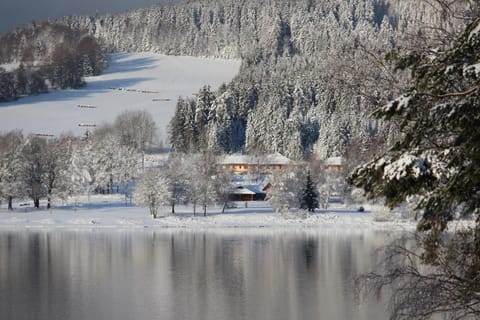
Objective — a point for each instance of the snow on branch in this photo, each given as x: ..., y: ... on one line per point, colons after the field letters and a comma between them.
x: 474, y: 32
x: 397, y: 104
x: 405, y: 165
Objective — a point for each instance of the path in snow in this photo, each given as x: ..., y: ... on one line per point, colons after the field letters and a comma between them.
x: 165, y: 78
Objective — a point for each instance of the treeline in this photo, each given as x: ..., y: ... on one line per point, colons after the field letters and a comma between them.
x: 42, y: 167
x: 48, y: 55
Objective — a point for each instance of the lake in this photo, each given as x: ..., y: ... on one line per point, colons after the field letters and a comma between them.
x: 229, y: 274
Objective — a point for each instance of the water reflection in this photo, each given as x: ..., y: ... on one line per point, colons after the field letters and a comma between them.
x: 225, y: 274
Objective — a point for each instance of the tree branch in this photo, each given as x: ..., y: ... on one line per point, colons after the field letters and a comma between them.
x: 452, y: 94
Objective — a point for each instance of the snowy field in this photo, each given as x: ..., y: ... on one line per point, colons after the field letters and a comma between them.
x: 111, y: 212
x: 133, y: 81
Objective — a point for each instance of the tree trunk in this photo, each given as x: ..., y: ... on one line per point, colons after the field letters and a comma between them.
x: 153, y: 212
x: 204, y: 210
x: 36, y: 203
x: 49, y: 203
x: 10, y: 203
x: 173, y: 207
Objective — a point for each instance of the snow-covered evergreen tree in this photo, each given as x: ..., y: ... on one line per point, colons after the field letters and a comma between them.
x: 435, y: 160
x: 309, y: 200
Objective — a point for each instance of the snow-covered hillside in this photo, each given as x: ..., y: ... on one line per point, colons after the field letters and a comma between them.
x: 141, y: 81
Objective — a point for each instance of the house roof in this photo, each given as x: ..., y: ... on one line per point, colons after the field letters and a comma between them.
x: 334, y: 161
x: 276, y: 158
x: 235, y: 158
x: 243, y: 190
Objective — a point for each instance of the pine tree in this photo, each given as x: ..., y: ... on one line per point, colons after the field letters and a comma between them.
x: 437, y: 160
x: 436, y: 156
x: 309, y: 199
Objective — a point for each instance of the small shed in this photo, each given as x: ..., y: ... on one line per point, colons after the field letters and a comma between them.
x: 242, y: 194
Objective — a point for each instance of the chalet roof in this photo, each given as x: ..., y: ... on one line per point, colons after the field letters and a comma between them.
x: 276, y: 158
x: 235, y: 159
x: 334, y: 161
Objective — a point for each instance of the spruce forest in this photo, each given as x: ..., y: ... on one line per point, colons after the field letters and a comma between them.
x: 312, y: 71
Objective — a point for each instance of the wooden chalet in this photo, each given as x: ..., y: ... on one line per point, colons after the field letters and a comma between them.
x: 246, y: 193
x: 334, y: 163
x: 244, y: 164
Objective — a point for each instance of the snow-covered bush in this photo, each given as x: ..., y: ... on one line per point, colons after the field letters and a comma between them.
x: 152, y: 191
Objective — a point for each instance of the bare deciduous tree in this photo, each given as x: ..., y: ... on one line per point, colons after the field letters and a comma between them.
x: 11, y: 145
x: 449, y: 288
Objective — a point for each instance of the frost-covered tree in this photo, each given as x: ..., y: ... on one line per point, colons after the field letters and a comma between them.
x: 57, y: 156
x: 111, y: 162
x: 286, y: 191
x: 201, y: 170
x: 33, y: 169
x: 222, y: 185
x: 151, y: 191
x: 177, y: 176
x: 77, y: 176
x: 330, y: 182
x: 136, y: 129
x: 11, y: 145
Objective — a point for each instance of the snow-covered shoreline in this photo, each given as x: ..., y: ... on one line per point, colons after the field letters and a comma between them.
x: 111, y: 213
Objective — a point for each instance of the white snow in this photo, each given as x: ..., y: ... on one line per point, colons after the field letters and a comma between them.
x: 276, y: 158
x: 243, y: 190
x: 399, y: 103
x: 474, y: 32
x: 475, y: 68
x: 403, y: 166
x: 139, y: 81
x: 111, y: 212
x: 9, y: 67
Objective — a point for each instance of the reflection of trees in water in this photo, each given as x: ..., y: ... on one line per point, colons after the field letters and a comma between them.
x: 447, y: 287
x: 310, y: 249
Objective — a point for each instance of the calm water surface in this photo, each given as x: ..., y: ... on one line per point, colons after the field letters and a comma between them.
x: 222, y: 274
